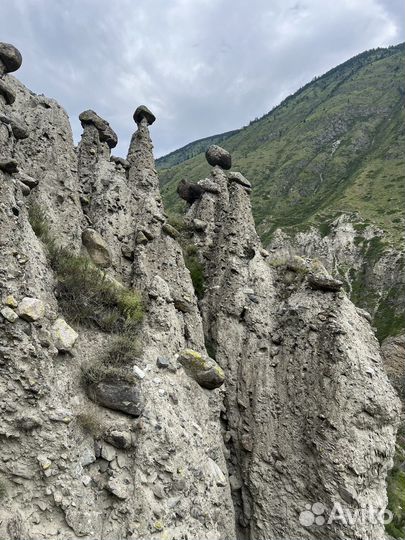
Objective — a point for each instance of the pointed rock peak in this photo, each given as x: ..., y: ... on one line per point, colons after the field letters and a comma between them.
x: 143, y: 112
x: 10, y: 58
x: 216, y: 155
x: 106, y: 133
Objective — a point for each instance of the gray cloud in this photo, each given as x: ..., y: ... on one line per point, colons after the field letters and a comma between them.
x: 203, y: 66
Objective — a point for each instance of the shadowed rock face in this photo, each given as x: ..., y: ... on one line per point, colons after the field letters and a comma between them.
x: 189, y: 192
x: 295, y: 409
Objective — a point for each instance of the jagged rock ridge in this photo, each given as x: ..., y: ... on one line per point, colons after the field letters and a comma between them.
x: 294, y: 408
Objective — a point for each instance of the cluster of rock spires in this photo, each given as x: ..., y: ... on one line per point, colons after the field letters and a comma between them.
x: 294, y: 409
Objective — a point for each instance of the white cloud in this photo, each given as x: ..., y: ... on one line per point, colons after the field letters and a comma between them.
x: 203, y: 66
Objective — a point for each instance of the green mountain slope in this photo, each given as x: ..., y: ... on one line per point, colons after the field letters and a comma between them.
x: 192, y: 149
x: 335, y: 145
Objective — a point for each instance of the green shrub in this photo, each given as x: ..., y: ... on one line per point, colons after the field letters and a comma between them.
x: 85, y: 294
x: 177, y: 221
x: 101, y: 370
x: 90, y: 420
x: 195, y: 268
x: 38, y: 221
x: 124, y: 349
x: 130, y: 304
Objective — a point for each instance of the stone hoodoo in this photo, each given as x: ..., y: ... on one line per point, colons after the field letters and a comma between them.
x: 288, y: 341
x: 131, y: 410
x: 218, y: 156
x: 105, y: 132
x: 143, y: 112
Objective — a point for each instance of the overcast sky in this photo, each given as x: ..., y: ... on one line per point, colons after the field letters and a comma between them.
x: 202, y: 66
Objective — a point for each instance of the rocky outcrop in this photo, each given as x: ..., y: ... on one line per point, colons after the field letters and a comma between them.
x: 262, y: 397
x: 304, y: 381
x: 60, y: 475
x: 356, y: 253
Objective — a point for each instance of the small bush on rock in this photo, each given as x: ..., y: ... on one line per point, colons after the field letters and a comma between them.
x: 123, y: 350
x: 100, y: 371
x: 90, y: 421
x: 195, y: 268
x: 86, y: 295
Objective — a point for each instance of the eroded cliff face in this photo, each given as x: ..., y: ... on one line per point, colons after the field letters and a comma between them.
x: 357, y: 252
x: 305, y: 414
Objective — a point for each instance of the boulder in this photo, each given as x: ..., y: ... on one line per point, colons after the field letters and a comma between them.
x: 63, y: 335
x: 162, y: 362
x: 117, y: 394
x: 97, y: 248
x: 216, y: 155
x: 7, y: 92
x: 9, y: 314
x: 8, y: 165
x: 27, y: 180
x: 120, y: 161
x: 143, y: 112
x: 119, y: 438
x: 324, y: 282
x: 199, y: 225
x: 10, y: 301
x: 18, y: 129
x: 238, y: 178
x: 189, y: 192
x: 10, y: 58
x: 31, y: 309
x: 105, y: 132
x: 170, y: 230
x: 204, y: 370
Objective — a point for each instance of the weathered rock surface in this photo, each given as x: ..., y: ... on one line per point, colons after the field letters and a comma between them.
x: 356, y: 253
x: 7, y: 92
x: 288, y: 353
x: 393, y: 353
x: 305, y: 413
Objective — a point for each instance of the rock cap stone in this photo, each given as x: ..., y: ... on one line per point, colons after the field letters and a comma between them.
x: 10, y: 57
x: 215, y: 155
x: 143, y: 112
x: 106, y: 133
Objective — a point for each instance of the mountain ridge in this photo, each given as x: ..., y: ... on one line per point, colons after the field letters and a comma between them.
x: 334, y: 148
